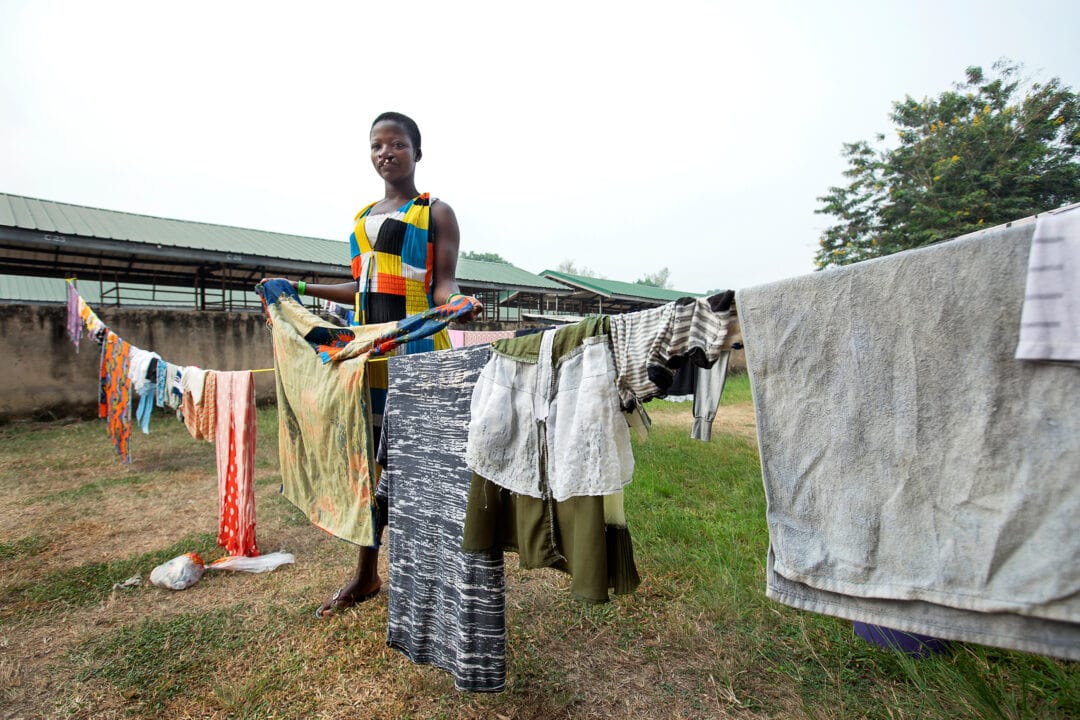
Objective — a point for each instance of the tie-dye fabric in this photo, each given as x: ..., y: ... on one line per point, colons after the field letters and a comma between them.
x: 234, y: 440
x: 114, y: 398
x: 446, y: 606
x: 419, y: 327
x: 324, y: 441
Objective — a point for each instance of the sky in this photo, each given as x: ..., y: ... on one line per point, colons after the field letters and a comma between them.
x: 624, y: 136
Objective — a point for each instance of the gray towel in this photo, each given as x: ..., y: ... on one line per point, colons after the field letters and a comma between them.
x: 909, y: 460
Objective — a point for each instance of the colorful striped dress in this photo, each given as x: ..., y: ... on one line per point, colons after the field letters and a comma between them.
x: 394, y: 275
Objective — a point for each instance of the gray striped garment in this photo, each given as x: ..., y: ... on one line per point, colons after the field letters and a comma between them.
x: 650, y: 345
x: 446, y: 607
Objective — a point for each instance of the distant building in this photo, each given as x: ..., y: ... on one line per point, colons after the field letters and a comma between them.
x: 128, y: 260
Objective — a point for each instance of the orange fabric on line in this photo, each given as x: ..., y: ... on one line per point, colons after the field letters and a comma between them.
x: 234, y: 440
x: 114, y: 398
x: 201, y: 418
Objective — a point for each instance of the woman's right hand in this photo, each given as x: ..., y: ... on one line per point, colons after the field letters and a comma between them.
x: 263, y: 281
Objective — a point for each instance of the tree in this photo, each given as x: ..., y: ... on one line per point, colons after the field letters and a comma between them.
x: 484, y: 256
x: 568, y: 267
x: 975, y: 156
x: 657, y: 279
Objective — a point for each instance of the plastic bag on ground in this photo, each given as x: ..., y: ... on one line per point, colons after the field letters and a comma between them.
x: 179, y: 573
x: 257, y: 564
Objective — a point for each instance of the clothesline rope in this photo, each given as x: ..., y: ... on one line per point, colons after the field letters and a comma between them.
x: 217, y: 406
x: 71, y: 281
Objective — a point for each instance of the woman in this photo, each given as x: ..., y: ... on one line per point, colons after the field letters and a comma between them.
x: 404, y: 259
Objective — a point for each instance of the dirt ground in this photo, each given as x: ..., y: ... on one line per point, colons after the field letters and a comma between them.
x: 733, y: 419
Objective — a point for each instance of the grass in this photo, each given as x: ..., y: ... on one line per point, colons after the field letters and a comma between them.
x: 23, y: 547
x: 87, y: 491
x: 92, y: 582
x: 699, y: 639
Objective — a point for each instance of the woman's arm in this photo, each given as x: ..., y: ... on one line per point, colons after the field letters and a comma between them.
x: 447, y: 243
x: 341, y: 293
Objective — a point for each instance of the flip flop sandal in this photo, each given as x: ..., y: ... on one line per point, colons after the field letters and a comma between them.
x: 337, y: 603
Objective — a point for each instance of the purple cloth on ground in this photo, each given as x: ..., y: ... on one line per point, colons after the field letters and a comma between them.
x: 912, y: 644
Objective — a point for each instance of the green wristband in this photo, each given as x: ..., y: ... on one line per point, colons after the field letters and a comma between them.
x: 451, y: 297
x: 301, y: 287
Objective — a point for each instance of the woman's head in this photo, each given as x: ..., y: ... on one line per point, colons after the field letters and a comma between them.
x: 406, y: 123
x: 395, y: 149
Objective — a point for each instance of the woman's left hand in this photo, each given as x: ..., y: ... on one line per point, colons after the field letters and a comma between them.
x: 477, y: 311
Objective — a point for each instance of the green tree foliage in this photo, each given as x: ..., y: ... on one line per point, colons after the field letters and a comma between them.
x: 992, y: 150
x: 657, y: 279
x: 568, y: 267
x: 485, y: 256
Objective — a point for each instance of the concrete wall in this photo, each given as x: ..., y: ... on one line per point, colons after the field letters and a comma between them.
x: 43, y: 377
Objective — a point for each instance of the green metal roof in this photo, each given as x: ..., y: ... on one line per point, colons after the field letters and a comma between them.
x: 65, y: 219
x: 617, y: 289
x: 28, y: 289
x: 503, y: 275
x: 46, y: 238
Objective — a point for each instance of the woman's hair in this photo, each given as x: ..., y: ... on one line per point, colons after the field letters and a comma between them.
x: 404, y: 121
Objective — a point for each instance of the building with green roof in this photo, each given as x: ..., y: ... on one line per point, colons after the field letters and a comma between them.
x: 126, y: 259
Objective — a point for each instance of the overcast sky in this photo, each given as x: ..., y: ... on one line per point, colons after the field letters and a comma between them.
x: 624, y: 136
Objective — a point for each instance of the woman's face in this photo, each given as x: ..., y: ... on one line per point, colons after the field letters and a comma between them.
x: 392, y: 152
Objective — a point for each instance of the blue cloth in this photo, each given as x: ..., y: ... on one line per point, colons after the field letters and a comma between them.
x: 142, y: 414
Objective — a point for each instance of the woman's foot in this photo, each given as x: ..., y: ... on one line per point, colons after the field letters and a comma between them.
x: 346, y: 597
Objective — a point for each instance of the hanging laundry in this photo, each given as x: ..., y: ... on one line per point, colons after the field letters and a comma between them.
x: 447, y: 607
x: 169, y: 391
x: 114, y: 397
x: 422, y: 325
x: 651, y: 344
x: 918, y: 476
x: 324, y: 439
x: 585, y: 537
x: 143, y: 411
x: 546, y: 421
x: 91, y: 321
x: 1050, y: 321
x: 483, y: 337
x: 142, y: 366
x: 683, y: 384
x: 192, y: 381
x: 551, y: 452
x: 161, y: 389
x: 708, y: 387
x: 457, y: 338
x: 198, y: 408
x: 74, y: 321
x: 334, y: 343
x: 140, y: 362
x: 234, y: 440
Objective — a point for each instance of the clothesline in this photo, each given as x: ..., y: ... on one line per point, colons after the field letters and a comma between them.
x: 215, y: 406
